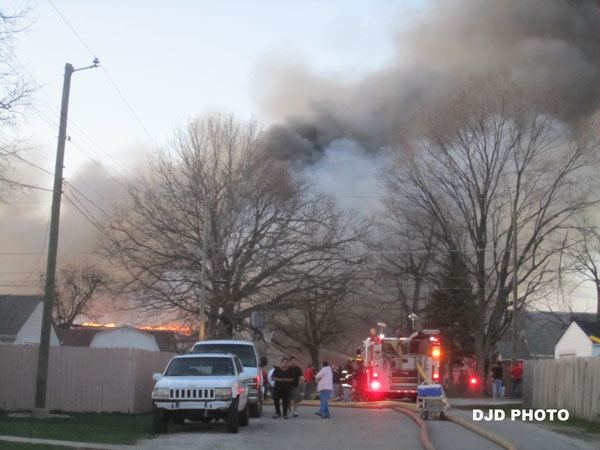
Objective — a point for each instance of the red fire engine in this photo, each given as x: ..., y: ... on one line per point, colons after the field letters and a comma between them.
x: 393, y: 367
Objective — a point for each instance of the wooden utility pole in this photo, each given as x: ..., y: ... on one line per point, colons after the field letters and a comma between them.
x: 515, y: 278
x: 202, y: 302
x: 44, y: 348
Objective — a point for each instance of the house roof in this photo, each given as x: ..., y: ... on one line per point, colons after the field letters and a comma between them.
x: 590, y: 328
x: 505, y: 350
x: 77, y: 337
x: 15, y: 310
x: 543, y: 329
x: 83, y: 336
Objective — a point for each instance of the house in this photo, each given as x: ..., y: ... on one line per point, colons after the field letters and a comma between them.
x: 125, y: 336
x: 539, y: 332
x: 581, y: 338
x: 21, y: 320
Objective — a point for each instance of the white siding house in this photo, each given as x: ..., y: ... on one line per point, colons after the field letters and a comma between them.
x: 579, y: 339
x: 21, y: 320
x: 125, y: 337
x: 32, y: 328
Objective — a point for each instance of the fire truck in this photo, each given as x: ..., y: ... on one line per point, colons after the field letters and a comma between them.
x: 393, y: 367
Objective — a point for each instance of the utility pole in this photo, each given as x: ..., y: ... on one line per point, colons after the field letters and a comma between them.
x: 515, y: 310
x: 202, y: 301
x: 44, y: 348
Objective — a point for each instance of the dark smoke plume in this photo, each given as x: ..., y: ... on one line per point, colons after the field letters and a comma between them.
x: 547, y: 48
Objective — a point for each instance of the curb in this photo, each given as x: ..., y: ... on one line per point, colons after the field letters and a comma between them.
x: 502, y: 442
x: 70, y: 444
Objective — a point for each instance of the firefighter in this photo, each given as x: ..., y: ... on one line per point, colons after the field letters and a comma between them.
x: 358, y: 378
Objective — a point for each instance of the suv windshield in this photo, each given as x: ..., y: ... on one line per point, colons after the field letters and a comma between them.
x: 244, y: 352
x: 181, y: 367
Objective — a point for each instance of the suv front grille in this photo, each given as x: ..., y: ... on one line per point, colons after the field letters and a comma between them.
x: 192, y: 394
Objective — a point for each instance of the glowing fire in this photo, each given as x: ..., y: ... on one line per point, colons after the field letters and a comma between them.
x: 102, y: 325
x: 180, y: 329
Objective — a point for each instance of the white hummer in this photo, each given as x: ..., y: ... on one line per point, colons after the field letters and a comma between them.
x: 201, y: 387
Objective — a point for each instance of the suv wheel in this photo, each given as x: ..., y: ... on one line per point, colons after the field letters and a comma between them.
x: 233, y: 418
x: 256, y: 409
x: 244, y: 418
x: 159, y: 420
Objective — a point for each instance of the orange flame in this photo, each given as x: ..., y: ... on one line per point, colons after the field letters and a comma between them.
x: 180, y: 329
x: 95, y: 324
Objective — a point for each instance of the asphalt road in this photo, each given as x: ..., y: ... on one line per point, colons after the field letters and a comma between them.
x: 348, y: 429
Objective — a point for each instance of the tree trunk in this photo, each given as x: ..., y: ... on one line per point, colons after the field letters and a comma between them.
x: 314, y: 356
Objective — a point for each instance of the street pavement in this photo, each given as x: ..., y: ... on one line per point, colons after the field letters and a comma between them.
x: 348, y: 429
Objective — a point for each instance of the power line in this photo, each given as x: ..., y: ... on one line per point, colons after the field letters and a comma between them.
x: 110, y: 79
x: 37, y: 262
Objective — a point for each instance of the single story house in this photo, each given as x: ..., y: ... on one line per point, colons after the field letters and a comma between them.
x: 539, y: 332
x: 581, y: 338
x: 125, y: 336
x: 21, y: 320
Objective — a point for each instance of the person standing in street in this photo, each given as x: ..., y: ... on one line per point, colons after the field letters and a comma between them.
x: 325, y: 388
x: 337, y: 379
x: 283, y: 379
x: 297, y: 374
x: 309, y: 380
x: 516, y: 375
x: 497, y: 373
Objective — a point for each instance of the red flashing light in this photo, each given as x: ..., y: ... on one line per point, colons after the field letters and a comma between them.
x: 436, y: 376
x: 375, y: 385
x: 436, y: 352
x: 473, y: 381
x: 375, y: 375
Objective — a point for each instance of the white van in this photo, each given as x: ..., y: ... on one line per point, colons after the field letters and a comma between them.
x: 248, y: 355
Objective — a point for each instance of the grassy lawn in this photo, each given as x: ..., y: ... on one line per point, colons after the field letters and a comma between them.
x: 19, y: 446
x: 111, y: 428
x: 577, y: 426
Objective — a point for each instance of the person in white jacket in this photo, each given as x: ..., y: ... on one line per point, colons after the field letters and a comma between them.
x: 325, y: 389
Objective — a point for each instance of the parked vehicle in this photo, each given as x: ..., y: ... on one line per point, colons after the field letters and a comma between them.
x: 246, y: 351
x: 201, y: 387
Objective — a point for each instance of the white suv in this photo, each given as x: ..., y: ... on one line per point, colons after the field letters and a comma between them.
x: 201, y: 387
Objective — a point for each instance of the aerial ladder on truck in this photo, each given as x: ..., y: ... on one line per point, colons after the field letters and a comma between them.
x: 393, y: 367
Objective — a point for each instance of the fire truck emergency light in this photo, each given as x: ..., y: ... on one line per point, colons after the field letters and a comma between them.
x: 436, y: 352
x: 436, y: 376
x: 375, y: 385
x: 473, y: 381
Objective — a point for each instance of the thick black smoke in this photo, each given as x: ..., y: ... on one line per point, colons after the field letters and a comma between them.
x: 547, y: 48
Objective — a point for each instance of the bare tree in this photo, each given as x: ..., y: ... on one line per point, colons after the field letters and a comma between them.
x: 585, y: 257
x: 480, y: 154
x: 403, y: 254
x: 15, y: 91
x: 75, y: 291
x: 318, y: 320
x: 270, y: 237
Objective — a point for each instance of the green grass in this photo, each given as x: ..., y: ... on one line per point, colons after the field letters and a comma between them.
x: 113, y: 428
x: 20, y: 446
x: 581, y: 425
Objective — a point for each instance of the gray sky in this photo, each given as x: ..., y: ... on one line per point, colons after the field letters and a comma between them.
x: 173, y: 60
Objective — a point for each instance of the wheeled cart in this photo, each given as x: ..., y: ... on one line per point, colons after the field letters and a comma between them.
x: 431, y: 401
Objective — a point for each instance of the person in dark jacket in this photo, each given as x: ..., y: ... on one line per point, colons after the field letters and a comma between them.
x: 497, y: 373
x: 284, y: 381
x: 337, y: 379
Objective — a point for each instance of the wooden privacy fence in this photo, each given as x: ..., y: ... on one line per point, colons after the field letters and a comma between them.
x: 81, y: 379
x: 569, y: 383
